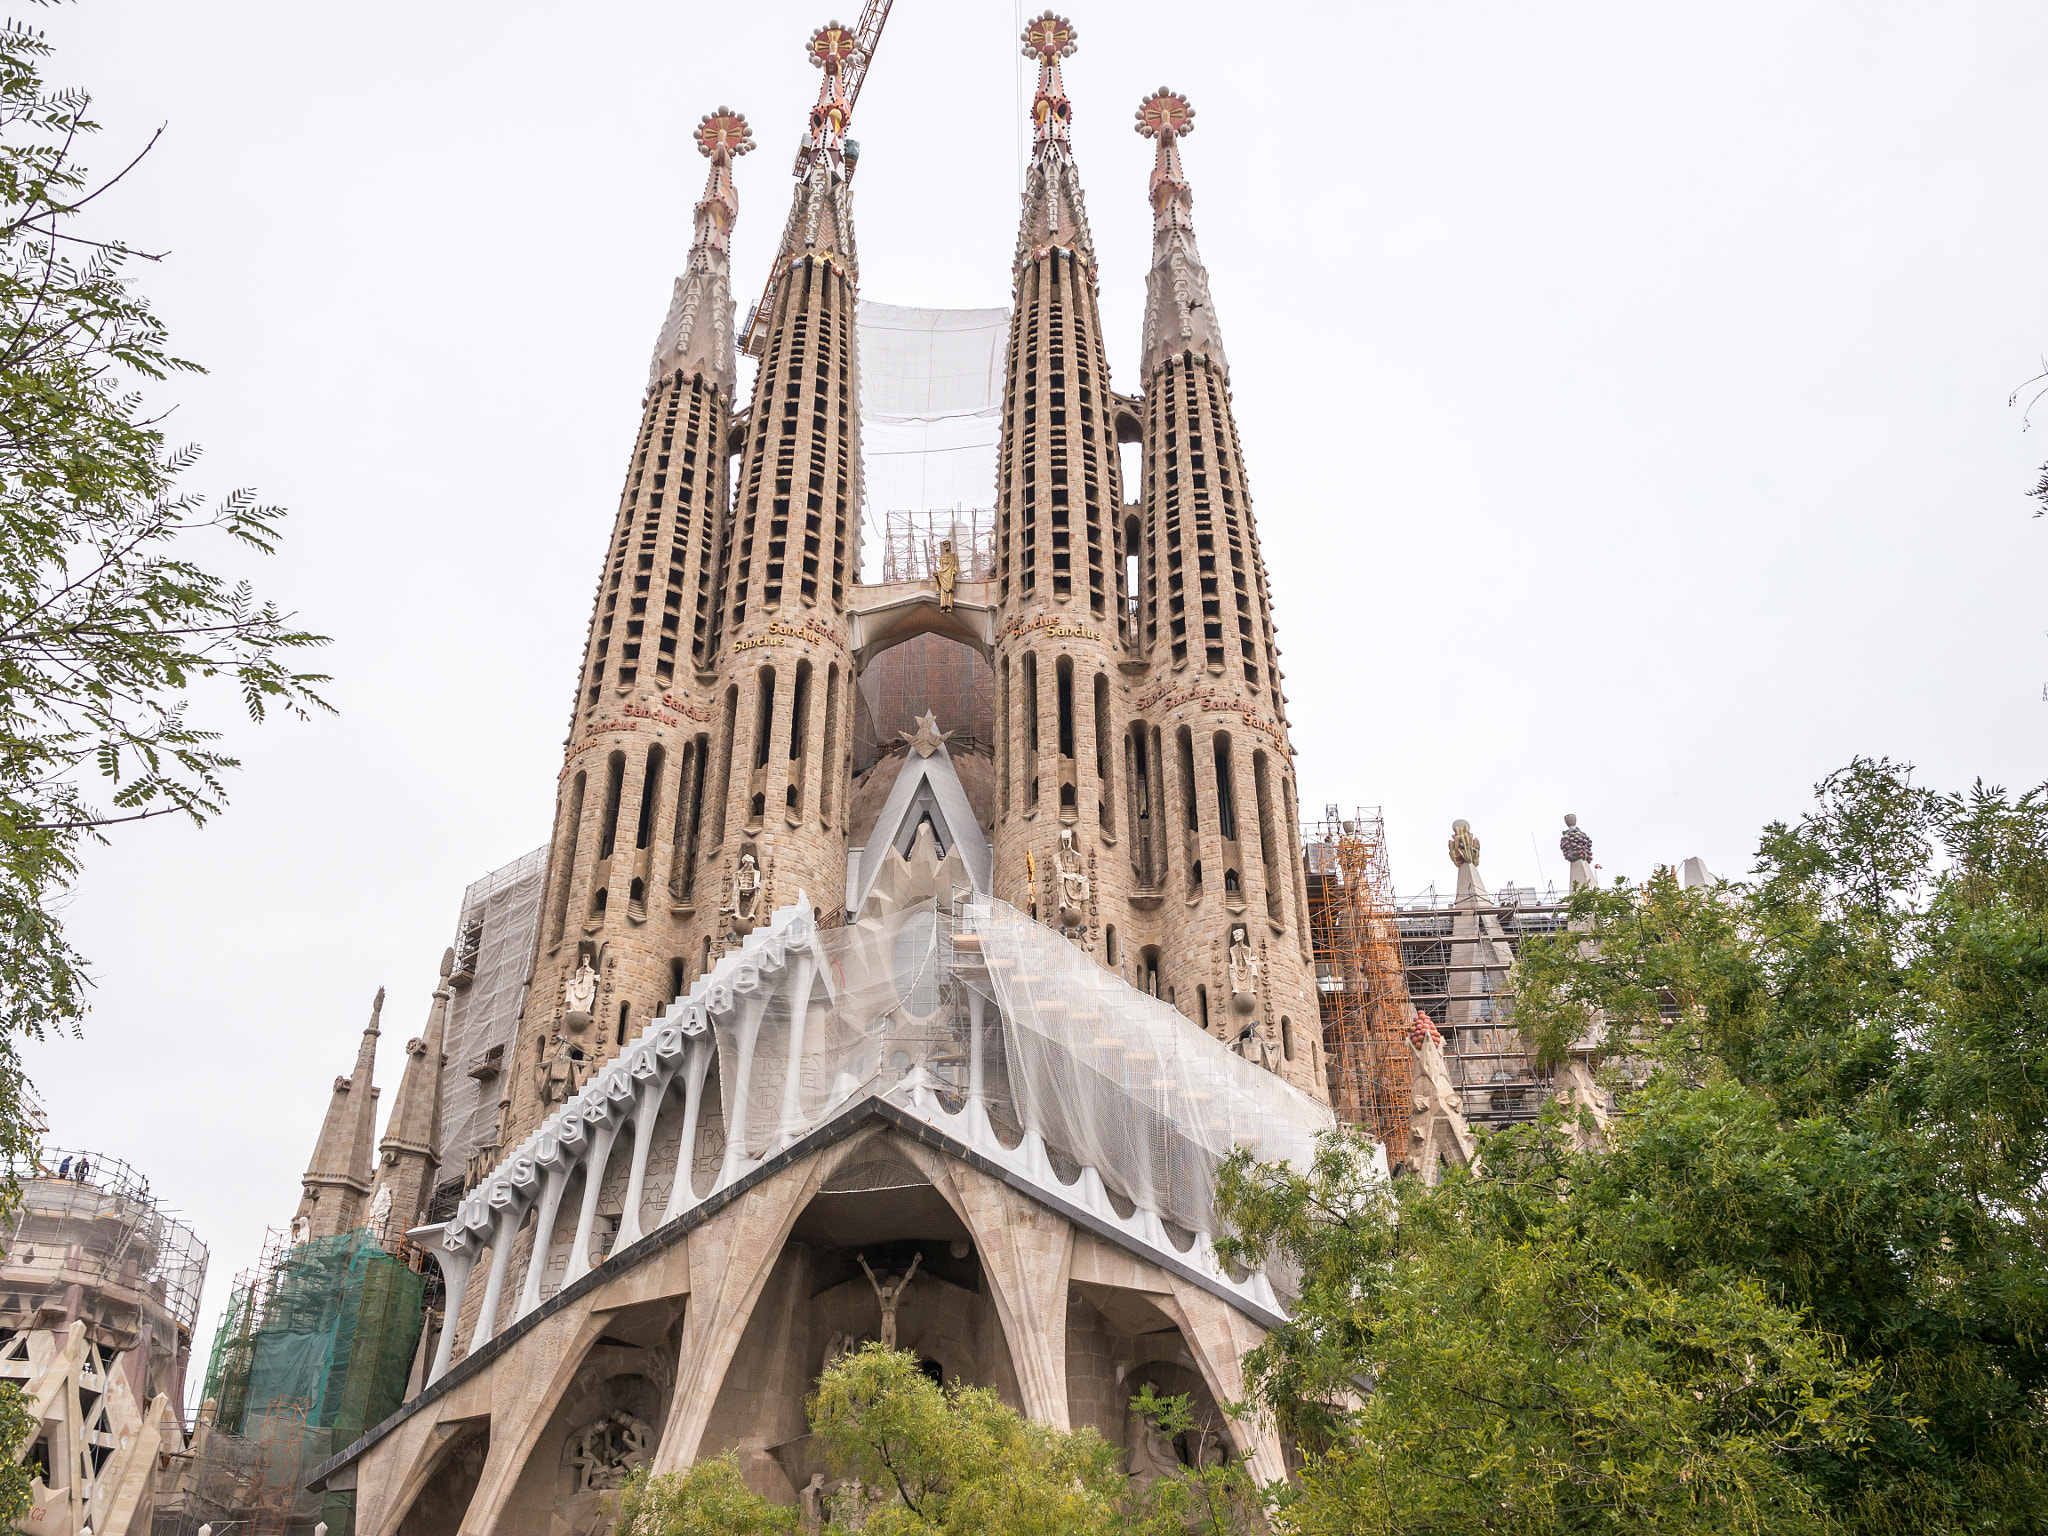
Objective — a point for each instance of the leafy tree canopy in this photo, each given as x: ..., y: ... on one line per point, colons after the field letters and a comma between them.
x: 109, y: 626
x: 949, y: 1461
x: 1804, y: 1284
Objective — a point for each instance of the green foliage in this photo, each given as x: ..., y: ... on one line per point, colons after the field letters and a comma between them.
x: 957, y: 1460
x: 708, y: 1499
x: 917, y: 1459
x: 17, y: 1427
x: 1804, y: 1286
x: 109, y: 629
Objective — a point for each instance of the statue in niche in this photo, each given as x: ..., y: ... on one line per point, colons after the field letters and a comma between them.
x: 563, y: 1071
x: 746, y: 897
x: 302, y: 1230
x: 1244, y: 970
x: 607, y: 1452
x: 890, y: 1296
x: 1464, y: 846
x: 949, y: 573
x: 1073, y: 883
x: 1151, y: 1453
x: 579, y: 997
x: 380, y: 1209
x: 813, y: 1501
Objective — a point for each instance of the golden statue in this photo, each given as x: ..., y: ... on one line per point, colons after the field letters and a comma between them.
x: 949, y: 573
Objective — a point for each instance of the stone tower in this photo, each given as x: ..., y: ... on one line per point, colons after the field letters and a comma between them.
x: 621, y: 900
x: 1212, y: 703
x: 1145, y: 798
x: 781, y: 677
x: 1058, y: 655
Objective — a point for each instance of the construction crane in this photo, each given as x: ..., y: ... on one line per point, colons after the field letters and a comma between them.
x: 866, y: 38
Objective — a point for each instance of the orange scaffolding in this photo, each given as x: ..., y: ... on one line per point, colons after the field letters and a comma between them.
x: 1359, y: 980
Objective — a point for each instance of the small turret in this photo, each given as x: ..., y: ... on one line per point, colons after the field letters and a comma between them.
x: 410, y: 1155
x: 337, y: 1181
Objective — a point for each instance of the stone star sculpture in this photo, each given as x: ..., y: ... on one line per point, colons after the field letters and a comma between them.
x: 927, y: 738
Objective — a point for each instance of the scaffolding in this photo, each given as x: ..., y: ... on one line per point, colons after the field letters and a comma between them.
x: 102, y: 1250
x: 911, y: 540
x: 317, y: 1345
x: 1359, y: 980
x: 494, y: 938
x: 1457, y: 957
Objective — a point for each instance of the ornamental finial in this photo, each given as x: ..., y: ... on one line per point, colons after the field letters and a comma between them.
x: 1166, y: 116
x: 832, y: 48
x: 1048, y: 39
x: 723, y: 135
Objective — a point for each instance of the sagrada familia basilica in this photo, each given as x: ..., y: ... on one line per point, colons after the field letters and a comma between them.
x: 939, y: 1044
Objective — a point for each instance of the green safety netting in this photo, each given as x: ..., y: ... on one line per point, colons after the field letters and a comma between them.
x: 329, y: 1340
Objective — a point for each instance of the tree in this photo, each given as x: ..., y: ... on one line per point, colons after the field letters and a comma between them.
x: 951, y: 1461
x: 110, y: 629
x: 1814, y: 1242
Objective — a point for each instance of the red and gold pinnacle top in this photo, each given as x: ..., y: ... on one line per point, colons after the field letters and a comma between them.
x: 722, y: 136
x: 1178, y: 318
x: 1049, y: 39
x: 1054, y: 218
x: 1166, y: 116
x: 696, y: 339
x: 832, y: 48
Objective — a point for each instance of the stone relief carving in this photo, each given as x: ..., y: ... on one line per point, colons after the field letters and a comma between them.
x: 607, y: 1452
x: 563, y: 1070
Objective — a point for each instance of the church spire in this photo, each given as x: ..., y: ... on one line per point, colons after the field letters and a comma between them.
x: 1178, y: 315
x: 696, y: 340
x: 409, y: 1156
x: 821, y: 218
x: 338, y: 1177
x: 1054, y: 216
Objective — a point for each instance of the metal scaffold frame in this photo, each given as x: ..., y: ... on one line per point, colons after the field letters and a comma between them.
x: 1359, y: 979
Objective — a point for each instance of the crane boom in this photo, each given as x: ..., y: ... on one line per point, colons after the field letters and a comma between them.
x: 867, y: 37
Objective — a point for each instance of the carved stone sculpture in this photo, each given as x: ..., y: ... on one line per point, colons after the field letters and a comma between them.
x: 607, y: 1452
x: 1577, y: 848
x: 1151, y: 1453
x: 579, y: 998
x: 1437, y: 1132
x: 744, y: 906
x: 1464, y: 846
x: 1244, y: 971
x: 1073, y: 883
x: 380, y: 1209
x: 890, y: 1296
x: 949, y: 573
x: 563, y: 1071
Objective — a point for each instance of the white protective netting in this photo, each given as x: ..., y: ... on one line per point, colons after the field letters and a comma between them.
x: 1119, y: 1080
x: 931, y: 397
x: 875, y: 994
x: 1109, y: 1077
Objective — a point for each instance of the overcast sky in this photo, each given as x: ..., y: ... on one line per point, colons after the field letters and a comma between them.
x: 1623, y: 390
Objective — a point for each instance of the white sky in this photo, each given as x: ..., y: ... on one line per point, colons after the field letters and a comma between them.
x: 1623, y: 389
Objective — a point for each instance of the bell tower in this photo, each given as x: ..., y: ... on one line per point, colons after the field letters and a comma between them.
x: 621, y: 887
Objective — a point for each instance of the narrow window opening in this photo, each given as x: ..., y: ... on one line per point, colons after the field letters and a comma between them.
x: 624, y: 1010
x: 1063, y: 671
x: 764, y: 723
x: 1286, y: 1037
x: 615, y: 781
x: 1226, y: 806
x: 650, y: 791
x: 1109, y: 944
x: 1202, y: 1006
